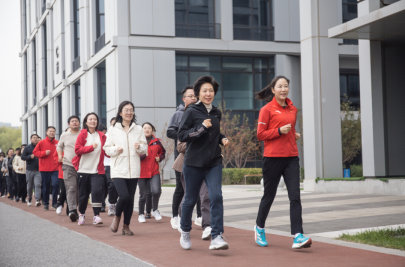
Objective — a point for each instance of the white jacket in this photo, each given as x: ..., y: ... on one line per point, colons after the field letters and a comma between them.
x: 128, y: 163
x: 19, y: 163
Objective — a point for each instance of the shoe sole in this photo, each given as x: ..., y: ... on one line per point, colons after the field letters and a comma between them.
x: 54, y: 208
x: 304, y: 245
x: 141, y: 222
x: 254, y: 229
x: 174, y: 226
x: 199, y: 224
x: 206, y: 237
x: 97, y: 223
x: 223, y: 247
x: 73, y: 217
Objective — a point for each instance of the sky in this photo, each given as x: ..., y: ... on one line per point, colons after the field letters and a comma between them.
x: 10, y: 62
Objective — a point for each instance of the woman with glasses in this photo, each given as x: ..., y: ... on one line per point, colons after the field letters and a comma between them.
x: 125, y: 144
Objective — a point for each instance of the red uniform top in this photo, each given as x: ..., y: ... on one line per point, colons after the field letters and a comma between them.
x: 149, y: 166
x: 55, y: 158
x: 273, y: 116
x: 46, y: 162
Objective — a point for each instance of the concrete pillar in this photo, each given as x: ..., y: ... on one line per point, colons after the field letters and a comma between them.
x: 320, y: 91
x: 226, y: 10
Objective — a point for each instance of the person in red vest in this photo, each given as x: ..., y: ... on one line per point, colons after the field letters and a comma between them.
x: 150, y: 174
x: 44, y: 151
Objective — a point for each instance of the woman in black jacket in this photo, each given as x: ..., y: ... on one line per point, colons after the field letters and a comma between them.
x: 200, y: 128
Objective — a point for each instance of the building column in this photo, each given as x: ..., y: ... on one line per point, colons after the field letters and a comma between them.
x: 226, y: 20
x: 320, y: 92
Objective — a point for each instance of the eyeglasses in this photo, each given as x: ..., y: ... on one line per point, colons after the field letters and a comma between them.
x: 128, y: 111
x: 191, y: 96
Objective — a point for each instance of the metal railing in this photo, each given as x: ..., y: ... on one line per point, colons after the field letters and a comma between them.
x: 199, y: 30
x: 99, y: 43
x: 76, y: 64
x: 253, y: 33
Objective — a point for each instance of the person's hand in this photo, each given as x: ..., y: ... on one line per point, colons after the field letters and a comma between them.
x: 137, y: 145
x: 285, y: 129
x: 157, y: 159
x: 20, y: 168
x: 32, y: 156
x: 48, y: 152
x: 60, y: 159
x: 225, y: 142
x: 120, y: 150
x: 207, y: 123
x: 297, y: 136
x: 95, y: 145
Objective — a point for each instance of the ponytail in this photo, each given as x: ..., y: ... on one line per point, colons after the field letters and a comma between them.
x: 266, y: 93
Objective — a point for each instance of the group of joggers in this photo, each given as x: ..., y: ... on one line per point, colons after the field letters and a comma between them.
x: 98, y: 161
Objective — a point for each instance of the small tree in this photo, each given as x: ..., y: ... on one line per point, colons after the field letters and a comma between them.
x: 168, y: 144
x: 351, y: 131
x: 10, y: 138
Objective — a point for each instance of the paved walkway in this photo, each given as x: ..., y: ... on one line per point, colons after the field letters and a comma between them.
x: 54, y: 240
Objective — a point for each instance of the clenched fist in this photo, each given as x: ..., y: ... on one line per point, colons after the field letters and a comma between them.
x: 137, y: 145
x: 48, y: 152
x: 285, y: 129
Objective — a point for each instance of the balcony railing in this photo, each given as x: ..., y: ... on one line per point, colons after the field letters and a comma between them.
x: 253, y: 33
x: 99, y: 43
x: 198, y: 30
x: 76, y: 64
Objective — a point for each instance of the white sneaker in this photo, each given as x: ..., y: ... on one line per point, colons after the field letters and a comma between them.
x: 157, y: 215
x: 198, y: 221
x: 29, y: 203
x: 175, y: 222
x: 218, y: 243
x: 206, y: 233
x: 59, y: 209
x: 37, y: 203
x: 111, y: 209
x: 185, y: 240
x: 141, y: 218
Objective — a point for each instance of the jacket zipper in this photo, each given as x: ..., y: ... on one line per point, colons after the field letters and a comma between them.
x: 129, y: 155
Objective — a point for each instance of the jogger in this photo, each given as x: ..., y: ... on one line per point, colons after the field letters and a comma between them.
x: 34, y: 180
x: 20, y: 168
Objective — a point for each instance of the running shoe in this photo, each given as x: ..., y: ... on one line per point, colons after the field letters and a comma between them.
x: 260, y: 237
x: 206, y: 235
x: 157, y: 215
x: 111, y: 208
x: 81, y: 219
x: 55, y: 206
x: 17, y: 199
x: 147, y: 216
x: 198, y: 221
x: 23, y: 201
x: 302, y: 242
x: 29, y: 203
x: 97, y: 220
x: 46, y: 207
x: 141, y: 218
x: 175, y: 222
x: 218, y: 243
x: 37, y: 203
x: 3, y: 196
x: 73, y: 216
x: 59, y: 209
x: 185, y: 240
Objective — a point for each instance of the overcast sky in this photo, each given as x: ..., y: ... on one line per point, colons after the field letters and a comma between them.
x: 10, y: 62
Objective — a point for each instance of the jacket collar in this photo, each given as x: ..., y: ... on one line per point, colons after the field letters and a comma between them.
x: 119, y: 126
x: 49, y: 139
x: 200, y: 105
x: 287, y: 101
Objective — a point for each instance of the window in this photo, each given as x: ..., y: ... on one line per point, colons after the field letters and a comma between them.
x: 24, y: 21
x: 253, y: 20
x: 34, y: 123
x: 77, y: 100
x: 60, y: 108
x: 34, y: 73
x: 27, y: 137
x: 45, y: 65
x: 43, y: 6
x: 45, y: 117
x: 349, y: 10
x: 196, y: 19
x: 76, y: 36
x: 100, y: 25
x: 25, y: 84
x: 102, y: 95
x: 350, y: 87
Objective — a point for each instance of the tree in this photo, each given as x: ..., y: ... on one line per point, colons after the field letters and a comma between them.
x: 351, y: 132
x: 10, y: 138
x: 168, y: 144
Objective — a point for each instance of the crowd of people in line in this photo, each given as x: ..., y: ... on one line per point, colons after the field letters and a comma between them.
x: 95, y: 162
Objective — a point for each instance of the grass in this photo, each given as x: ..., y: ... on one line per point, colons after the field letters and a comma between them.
x: 388, y: 238
x: 168, y: 185
x: 340, y: 179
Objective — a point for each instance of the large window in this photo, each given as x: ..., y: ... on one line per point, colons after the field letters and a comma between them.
x: 34, y: 75
x: 239, y: 78
x: 45, y: 117
x: 196, y: 19
x: 25, y: 84
x: 349, y: 10
x: 253, y: 20
x: 102, y: 94
x: 59, y: 130
x: 350, y: 87
x: 76, y: 36
x: 77, y: 100
x: 43, y: 4
x: 100, y: 25
x: 45, y: 63
x: 24, y: 21
x: 34, y: 123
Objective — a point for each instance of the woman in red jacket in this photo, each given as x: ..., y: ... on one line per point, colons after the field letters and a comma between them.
x: 89, y: 163
x: 150, y: 175
x: 276, y: 128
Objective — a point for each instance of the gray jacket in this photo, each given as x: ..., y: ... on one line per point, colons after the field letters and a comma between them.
x: 174, y: 126
x: 4, y: 167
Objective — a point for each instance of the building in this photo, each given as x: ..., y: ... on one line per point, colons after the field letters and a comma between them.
x: 83, y: 56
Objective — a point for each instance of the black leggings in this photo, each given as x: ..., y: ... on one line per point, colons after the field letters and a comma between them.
x: 126, y: 193
x: 94, y: 184
x: 273, y: 168
x: 22, y: 186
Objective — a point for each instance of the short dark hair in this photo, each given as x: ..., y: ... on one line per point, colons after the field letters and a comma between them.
x: 23, y: 145
x: 49, y: 127
x: 33, y: 135
x: 10, y: 149
x: 202, y: 80
x: 74, y: 117
x: 188, y: 87
x: 2, y: 154
x: 18, y: 151
x: 101, y: 127
x: 150, y: 124
x: 113, y: 118
x: 267, y: 94
x: 85, y: 120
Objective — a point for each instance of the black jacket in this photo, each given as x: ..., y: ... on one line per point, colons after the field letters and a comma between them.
x: 203, y: 148
x: 32, y: 164
x: 173, y: 127
x: 10, y: 166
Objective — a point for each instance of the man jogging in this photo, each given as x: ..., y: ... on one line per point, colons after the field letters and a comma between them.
x: 34, y: 180
x: 7, y: 174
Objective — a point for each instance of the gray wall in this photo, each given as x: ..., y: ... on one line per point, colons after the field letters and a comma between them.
x: 286, y: 20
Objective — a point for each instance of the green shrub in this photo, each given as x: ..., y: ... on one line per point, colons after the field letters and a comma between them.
x: 356, y: 170
x: 235, y: 176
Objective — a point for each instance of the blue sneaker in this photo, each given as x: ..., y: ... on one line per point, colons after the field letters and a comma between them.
x: 260, y: 237
x: 302, y: 242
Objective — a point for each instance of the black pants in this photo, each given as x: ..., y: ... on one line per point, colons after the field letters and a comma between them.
x: 10, y: 186
x: 3, y: 184
x: 62, y: 195
x: 15, y: 185
x: 22, y: 186
x: 110, y: 189
x: 90, y: 183
x: 177, y: 195
x: 126, y: 192
x: 273, y: 168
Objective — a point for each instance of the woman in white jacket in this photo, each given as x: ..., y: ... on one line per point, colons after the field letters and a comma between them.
x: 125, y: 143
x: 19, y: 167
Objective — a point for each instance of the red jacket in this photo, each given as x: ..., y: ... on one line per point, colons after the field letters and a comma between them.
x: 273, y: 116
x: 46, y: 162
x: 149, y: 166
x: 81, y: 148
x: 55, y: 158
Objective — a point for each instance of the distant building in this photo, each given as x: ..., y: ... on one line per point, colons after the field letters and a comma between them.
x: 5, y: 124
